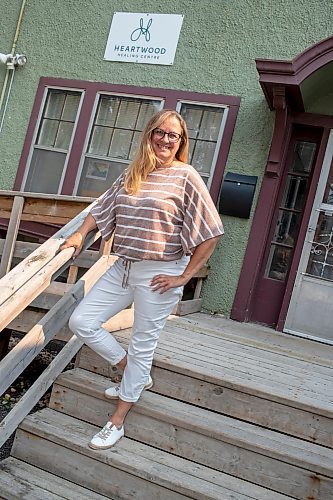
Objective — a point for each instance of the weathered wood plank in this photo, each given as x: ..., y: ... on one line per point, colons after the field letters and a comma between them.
x: 216, y: 441
x: 257, y: 336
x: 13, y: 227
x: 36, y: 391
x: 20, y: 480
x: 171, y: 475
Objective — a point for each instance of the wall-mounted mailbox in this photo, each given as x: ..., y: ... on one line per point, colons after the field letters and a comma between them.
x: 237, y: 195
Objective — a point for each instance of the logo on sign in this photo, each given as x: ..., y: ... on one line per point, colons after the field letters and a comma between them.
x: 142, y: 31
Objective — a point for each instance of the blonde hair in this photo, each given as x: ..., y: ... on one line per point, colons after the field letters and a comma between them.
x: 145, y: 160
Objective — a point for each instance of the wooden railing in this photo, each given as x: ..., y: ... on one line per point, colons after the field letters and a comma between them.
x: 26, y: 284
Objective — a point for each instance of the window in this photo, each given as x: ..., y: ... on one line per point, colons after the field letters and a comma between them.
x: 82, y: 135
x: 114, y: 138
x: 205, y: 127
x: 291, y: 210
x: 53, y: 140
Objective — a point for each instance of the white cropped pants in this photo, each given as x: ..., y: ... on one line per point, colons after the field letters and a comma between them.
x: 151, y: 310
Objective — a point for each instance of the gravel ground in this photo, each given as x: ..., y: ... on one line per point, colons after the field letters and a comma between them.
x: 24, y: 381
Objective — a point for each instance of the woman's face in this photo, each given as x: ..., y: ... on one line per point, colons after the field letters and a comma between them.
x: 164, y: 147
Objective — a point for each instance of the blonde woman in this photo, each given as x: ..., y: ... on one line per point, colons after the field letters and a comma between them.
x: 165, y: 228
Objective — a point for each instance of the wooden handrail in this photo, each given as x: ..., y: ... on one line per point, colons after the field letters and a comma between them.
x: 24, y: 283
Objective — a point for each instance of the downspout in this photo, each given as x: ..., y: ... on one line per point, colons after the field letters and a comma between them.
x: 4, y: 87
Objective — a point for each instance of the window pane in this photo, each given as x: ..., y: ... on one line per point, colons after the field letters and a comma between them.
x: 303, y: 156
x: 100, y: 141
x: 295, y: 193
x: 328, y: 196
x: 48, y: 133
x: 287, y: 228
x: 64, y: 135
x: 71, y: 107
x: 45, y: 171
x: 107, y: 111
x: 203, y: 154
x: 135, y: 144
x: 321, y: 256
x: 54, y: 104
x: 192, y: 116
x: 279, y: 262
x: 210, y: 125
x: 128, y: 114
x: 120, y: 144
x: 147, y: 110
x: 204, y: 125
x: 98, y: 175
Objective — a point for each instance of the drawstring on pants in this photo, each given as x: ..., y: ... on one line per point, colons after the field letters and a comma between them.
x: 127, y: 264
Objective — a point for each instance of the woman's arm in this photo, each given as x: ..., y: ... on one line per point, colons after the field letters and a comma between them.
x: 76, y: 240
x: 201, y: 254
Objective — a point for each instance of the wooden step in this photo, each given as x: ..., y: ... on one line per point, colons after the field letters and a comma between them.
x: 282, y: 463
x: 19, y: 480
x: 58, y: 443
x: 252, y: 383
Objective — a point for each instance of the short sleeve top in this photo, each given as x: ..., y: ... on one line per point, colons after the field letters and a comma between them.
x: 167, y: 218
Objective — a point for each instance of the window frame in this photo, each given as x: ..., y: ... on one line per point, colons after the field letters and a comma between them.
x: 91, y: 91
x: 38, y: 121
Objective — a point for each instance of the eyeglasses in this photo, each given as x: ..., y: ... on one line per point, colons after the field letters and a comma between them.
x: 172, y: 136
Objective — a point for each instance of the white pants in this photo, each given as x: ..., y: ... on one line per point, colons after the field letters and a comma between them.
x: 151, y: 310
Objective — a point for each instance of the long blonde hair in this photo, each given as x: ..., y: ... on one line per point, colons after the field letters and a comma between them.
x: 145, y: 160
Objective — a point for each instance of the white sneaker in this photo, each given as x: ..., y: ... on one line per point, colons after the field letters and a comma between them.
x: 106, y: 437
x: 113, y: 392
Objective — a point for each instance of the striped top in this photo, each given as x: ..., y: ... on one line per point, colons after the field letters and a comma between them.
x: 168, y: 217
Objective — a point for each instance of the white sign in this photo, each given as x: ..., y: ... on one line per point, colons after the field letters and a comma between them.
x: 143, y: 38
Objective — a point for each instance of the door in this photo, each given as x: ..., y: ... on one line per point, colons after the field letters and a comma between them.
x: 310, y: 312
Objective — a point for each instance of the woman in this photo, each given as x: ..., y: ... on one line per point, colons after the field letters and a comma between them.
x: 165, y: 228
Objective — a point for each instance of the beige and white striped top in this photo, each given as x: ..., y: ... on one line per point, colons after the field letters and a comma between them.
x: 171, y: 214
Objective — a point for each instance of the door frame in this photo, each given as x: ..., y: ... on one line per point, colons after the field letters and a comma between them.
x: 281, y: 83
x: 313, y: 220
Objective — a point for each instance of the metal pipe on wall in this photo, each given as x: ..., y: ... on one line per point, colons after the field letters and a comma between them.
x: 4, y: 86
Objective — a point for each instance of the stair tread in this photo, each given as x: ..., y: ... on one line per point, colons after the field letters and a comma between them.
x: 220, y: 427
x: 249, y: 368
x: 158, y: 466
x: 21, y: 480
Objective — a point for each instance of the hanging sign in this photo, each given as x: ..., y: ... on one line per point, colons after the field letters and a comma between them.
x: 143, y: 38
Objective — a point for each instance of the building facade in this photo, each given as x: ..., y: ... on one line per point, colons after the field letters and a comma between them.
x: 253, y: 81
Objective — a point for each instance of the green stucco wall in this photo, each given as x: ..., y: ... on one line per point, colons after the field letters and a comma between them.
x: 216, y: 53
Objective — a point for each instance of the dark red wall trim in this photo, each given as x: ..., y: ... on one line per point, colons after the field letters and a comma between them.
x: 170, y: 97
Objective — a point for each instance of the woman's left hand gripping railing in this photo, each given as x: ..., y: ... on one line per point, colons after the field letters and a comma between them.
x: 18, y: 289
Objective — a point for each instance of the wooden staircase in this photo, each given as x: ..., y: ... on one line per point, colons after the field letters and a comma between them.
x: 236, y: 412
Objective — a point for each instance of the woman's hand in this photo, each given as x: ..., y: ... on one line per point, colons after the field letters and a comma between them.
x: 162, y: 282
x: 76, y: 240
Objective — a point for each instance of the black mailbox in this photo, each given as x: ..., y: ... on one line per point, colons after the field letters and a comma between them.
x: 237, y: 195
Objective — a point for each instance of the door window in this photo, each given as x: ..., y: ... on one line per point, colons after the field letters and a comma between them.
x: 320, y: 262
x: 291, y: 210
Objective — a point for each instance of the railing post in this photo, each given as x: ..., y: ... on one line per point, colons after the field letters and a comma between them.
x: 13, y: 227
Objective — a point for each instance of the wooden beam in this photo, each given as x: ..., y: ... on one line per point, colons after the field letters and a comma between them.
x: 43, y: 256
x: 13, y: 227
x: 36, y: 391
x: 36, y: 339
